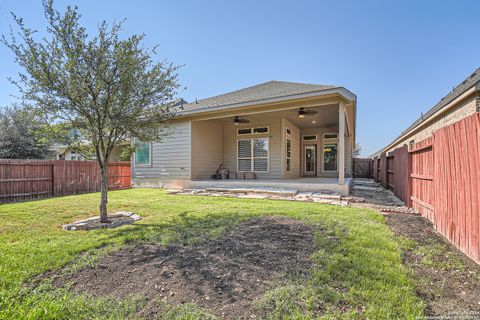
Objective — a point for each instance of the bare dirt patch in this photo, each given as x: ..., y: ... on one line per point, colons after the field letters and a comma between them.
x: 224, y: 275
x: 447, y: 280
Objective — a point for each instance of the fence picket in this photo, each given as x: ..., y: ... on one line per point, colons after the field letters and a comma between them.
x: 440, y: 177
x: 22, y: 180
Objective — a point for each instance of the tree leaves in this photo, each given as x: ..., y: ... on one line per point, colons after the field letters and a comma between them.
x: 106, y: 87
x: 21, y: 135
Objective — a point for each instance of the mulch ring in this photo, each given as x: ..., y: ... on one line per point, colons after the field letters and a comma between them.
x: 451, y: 284
x: 224, y: 275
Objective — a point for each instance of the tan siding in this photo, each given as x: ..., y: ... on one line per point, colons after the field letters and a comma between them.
x: 295, y: 150
x: 207, y: 148
x: 348, y: 155
x: 230, y: 144
x: 459, y: 112
x: 171, y: 156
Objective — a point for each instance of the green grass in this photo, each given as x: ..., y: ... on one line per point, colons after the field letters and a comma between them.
x: 357, y: 276
x: 433, y: 254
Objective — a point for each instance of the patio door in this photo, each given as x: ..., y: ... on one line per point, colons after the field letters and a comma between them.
x: 310, y: 160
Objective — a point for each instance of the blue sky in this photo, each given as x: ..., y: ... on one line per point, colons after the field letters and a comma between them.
x: 399, y: 57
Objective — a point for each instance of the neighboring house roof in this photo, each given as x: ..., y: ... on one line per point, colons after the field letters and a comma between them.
x: 257, y: 93
x: 376, y: 154
x: 468, y: 83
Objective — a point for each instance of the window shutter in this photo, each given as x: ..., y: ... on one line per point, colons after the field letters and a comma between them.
x: 260, y: 164
x: 244, y: 155
x: 244, y: 165
x: 244, y: 149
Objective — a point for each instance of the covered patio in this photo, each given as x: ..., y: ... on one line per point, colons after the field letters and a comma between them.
x: 297, y: 147
x: 272, y: 135
x: 300, y: 184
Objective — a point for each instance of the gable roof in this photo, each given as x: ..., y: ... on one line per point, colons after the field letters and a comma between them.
x: 466, y: 84
x: 259, y: 92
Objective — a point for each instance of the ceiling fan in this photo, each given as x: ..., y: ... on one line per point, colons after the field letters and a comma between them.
x: 237, y: 120
x: 301, y: 113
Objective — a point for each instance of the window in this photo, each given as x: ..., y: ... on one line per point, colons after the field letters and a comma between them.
x: 310, y: 137
x: 74, y: 156
x: 330, y: 157
x: 330, y: 136
x: 289, y: 154
x: 244, y: 131
x: 244, y: 155
x: 256, y: 130
x: 288, y: 150
x: 252, y: 154
x: 143, y: 154
x: 260, y: 130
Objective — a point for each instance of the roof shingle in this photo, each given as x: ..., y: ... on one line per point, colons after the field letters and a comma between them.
x: 455, y: 93
x: 262, y: 91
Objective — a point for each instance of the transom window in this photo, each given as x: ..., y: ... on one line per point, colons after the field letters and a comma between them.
x: 310, y: 137
x: 143, y: 154
x: 252, y: 155
x: 330, y: 136
x: 254, y: 130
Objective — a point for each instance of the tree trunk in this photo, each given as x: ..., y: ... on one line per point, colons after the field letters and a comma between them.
x: 103, y: 192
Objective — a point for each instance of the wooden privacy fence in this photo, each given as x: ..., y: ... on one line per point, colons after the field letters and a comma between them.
x: 440, y: 177
x: 362, y: 168
x: 22, y: 180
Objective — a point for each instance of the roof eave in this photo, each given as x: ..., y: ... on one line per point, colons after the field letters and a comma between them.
x: 346, y: 94
x: 472, y: 90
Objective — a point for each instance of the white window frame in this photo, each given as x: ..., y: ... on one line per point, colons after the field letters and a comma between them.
x: 288, y: 137
x: 149, y: 164
x: 251, y: 131
x: 309, y: 135
x: 323, y: 157
x: 305, y: 147
x: 330, y: 139
x: 252, y: 155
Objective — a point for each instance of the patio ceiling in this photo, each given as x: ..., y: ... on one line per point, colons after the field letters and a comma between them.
x: 326, y: 116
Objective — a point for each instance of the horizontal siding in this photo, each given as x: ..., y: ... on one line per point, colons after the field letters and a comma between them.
x: 207, y: 148
x: 170, y: 157
x: 230, y: 144
x: 348, y: 156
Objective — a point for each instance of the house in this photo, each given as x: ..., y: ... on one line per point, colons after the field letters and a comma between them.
x: 282, y: 134
x: 61, y: 151
x: 433, y: 166
x: 462, y: 101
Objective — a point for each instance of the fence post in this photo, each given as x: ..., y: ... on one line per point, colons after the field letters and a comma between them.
x: 53, y: 178
x: 409, y: 179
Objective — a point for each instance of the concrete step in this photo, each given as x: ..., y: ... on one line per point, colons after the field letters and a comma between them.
x: 364, y: 183
x: 367, y: 188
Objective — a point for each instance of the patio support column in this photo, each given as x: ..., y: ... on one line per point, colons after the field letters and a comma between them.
x: 341, y: 143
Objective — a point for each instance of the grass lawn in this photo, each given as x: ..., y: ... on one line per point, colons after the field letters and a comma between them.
x: 360, y: 276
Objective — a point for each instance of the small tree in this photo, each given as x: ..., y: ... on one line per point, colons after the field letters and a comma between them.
x: 19, y: 134
x: 100, y: 89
